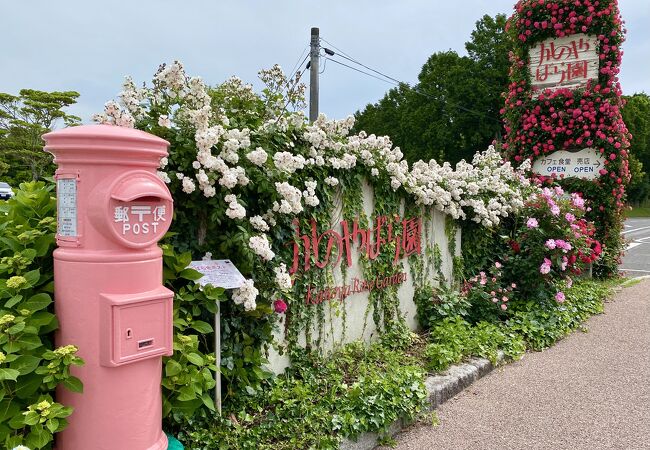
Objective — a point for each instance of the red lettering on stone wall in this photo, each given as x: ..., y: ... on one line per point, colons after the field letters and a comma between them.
x: 320, y: 248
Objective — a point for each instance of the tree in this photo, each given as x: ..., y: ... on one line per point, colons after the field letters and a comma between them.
x: 453, y: 110
x: 23, y: 120
x: 636, y: 115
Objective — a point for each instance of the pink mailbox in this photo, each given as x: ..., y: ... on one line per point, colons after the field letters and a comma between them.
x: 109, y: 298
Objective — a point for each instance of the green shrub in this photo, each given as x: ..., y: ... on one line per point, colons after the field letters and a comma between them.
x: 543, y: 324
x: 436, y: 304
x: 30, y: 366
x: 454, y: 339
x: 319, y: 401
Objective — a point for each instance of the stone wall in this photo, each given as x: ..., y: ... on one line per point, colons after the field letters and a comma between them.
x: 358, y: 323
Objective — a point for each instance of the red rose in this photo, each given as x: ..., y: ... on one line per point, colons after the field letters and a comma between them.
x: 279, y: 306
x: 515, y: 246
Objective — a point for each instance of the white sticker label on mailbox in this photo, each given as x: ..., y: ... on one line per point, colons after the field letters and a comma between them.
x: 66, y: 196
x: 218, y: 273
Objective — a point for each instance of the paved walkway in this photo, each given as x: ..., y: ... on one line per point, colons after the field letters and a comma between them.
x: 590, y: 391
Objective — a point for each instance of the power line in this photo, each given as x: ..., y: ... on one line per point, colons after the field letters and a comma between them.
x: 361, y: 71
x: 396, y: 82
x: 344, y: 55
x: 298, y: 64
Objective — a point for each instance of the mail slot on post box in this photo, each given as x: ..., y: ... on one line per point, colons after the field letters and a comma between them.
x: 109, y: 299
x: 131, y: 326
x: 139, y: 206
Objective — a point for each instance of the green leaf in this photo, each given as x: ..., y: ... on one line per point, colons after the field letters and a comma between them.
x: 38, y: 438
x: 202, y: 327
x: 25, y: 364
x: 195, y: 359
x: 9, y: 374
x: 52, y: 425
x: 8, y: 409
x: 41, y: 318
x: 207, y: 401
x: 37, y: 302
x: 28, y: 385
x: 12, y: 244
x: 15, y: 329
x: 32, y: 277
x: 172, y: 367
x: 186, y: 393
x: 73, y: 384
x: 190, y: 274
x: 24, y: 342
x: 13, y: 301
x: 42, y: 245
x: 186, y: 408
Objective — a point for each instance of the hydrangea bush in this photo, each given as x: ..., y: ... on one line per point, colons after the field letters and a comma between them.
x: 30, y: 366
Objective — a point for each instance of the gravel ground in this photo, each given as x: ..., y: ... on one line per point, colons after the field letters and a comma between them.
x: 590, y: 391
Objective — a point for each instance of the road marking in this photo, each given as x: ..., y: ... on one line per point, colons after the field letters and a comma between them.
x: 636, y: 229
x: 643, y: 239
x: 633, y: 244
x: 621, y: 269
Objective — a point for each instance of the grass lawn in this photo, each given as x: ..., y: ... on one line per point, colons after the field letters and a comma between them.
x: 643, y: 211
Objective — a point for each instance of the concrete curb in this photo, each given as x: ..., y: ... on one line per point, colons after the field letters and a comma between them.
x: 440, y: 388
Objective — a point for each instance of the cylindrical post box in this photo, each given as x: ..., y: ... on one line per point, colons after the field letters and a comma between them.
x: 109, y: 298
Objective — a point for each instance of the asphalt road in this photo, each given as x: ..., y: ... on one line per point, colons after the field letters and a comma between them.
x: 636, y: 262
x: 591, y: 391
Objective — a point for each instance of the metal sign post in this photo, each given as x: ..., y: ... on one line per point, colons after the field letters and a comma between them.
x: 218, y: 273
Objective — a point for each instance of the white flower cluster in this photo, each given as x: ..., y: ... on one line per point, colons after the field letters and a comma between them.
x: 114, y: 115
x: 258, y: 156
x: 235, y: 210
x: 310, y: 194
x: 291, y: 199
x: 261, y: 246
x: 331, y: 181
x: 246, y: 295
x: 282, y: 277
x: 259, y: 223
x: 288, y: 162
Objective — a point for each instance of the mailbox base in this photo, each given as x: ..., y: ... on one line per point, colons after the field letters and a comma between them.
x: 121, y: 406
x: 162, y: 443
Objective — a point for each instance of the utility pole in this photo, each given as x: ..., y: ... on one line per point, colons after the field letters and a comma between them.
x: 313, y: 75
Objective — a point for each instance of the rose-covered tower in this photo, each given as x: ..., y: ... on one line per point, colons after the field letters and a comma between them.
x: 562, y: 109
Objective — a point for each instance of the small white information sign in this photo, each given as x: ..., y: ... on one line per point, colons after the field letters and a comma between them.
x: 585, y: 163
x: 566, y: 62
x: 218, y: 273
x: 66, y: 199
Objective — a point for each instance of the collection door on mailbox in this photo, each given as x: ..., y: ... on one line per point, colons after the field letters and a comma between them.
x: 109, y: 298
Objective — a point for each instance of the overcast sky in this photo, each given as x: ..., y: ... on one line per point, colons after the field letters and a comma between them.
x: 89, y: 46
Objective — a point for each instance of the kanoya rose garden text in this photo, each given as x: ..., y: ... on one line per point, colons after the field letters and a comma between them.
x: 387, y: 233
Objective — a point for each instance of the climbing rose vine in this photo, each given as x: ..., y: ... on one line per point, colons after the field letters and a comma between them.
x: 244, y: 165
